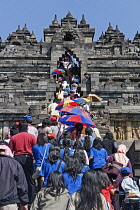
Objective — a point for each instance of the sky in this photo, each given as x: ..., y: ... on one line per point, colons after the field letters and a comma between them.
x: 38, y: 14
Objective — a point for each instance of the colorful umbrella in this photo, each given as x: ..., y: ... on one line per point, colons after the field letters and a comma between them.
x: 58, y: 71
x: 73, y: 119
x: 66, y: 103
x: 74, y: 111
x: 81, y: 100
x: 70, y: 128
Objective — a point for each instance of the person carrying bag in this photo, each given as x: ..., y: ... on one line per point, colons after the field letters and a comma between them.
x: 38, y: 169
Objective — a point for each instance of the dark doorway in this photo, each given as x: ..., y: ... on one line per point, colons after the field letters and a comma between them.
x: 68, y: 37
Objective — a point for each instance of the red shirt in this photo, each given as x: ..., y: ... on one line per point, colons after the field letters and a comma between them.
x: 106, y: 193
x: 22, y: 143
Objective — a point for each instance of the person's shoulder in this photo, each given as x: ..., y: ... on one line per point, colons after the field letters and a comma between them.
x: 102, y: 149
x: 16, y: 136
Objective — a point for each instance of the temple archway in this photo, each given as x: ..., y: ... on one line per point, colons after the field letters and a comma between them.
x: 74, y: 65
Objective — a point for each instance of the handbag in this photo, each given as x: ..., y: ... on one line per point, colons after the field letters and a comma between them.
x: 112, y: 169
x: 38, y: 169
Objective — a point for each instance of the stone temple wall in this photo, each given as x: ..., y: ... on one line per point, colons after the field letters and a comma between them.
x: 26, y: 84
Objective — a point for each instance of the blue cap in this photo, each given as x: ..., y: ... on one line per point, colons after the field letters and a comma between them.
x: 27, y: 118
x: 125, y: 170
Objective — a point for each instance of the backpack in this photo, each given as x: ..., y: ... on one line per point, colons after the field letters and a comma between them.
x: 112, y: 169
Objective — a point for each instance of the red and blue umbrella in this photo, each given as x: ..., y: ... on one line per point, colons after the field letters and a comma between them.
x: 73, y: 119
x: 66, y: 103
x: 70, y: 128
x: 58, y: 71
x: 74, y: 111
x: 81, y: 100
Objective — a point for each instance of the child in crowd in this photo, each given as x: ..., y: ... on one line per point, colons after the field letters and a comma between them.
x: 87, y: 141
x: 53, y: 163
x: 97, y: 154
x: 54, y: 196
x: 73, y: 175
x: 80, y: 154
x: 67, y: 150
x: 107, y: 189
x: 78, y: 146
x: 129, y: 190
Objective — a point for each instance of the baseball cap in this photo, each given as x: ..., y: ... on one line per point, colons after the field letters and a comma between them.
x: 27, y: 117
x: 125, y: 170
x: 52, y: 135
x: 54, y: 118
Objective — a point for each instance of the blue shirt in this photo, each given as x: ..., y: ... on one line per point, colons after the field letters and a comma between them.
x: 99, y: 157
x: 38, y: 153
x: 61, y: 142
x: 47, y: 168
x: 73, y: 184
x: 85, y: 168
x: 62, y: 152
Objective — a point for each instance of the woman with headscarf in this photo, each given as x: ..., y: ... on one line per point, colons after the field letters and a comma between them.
x: 120, y: 157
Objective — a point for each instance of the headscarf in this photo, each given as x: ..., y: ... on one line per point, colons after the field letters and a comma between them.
x: 6, y: 149
x: 120, y: 156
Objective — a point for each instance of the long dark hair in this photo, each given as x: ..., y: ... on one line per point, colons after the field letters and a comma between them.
x: 78, y: 145
x: 67, y: 143
x: 79, y: 128
x: 103, y: 180
x: 55, y: 183
x: 88, y: 132
x: 42, y: 139
x: 89, y: 194
x: 97, y: 144
x: 80, y: 154
x: 109, y: 135
x: 54, y: 154
x: 73, y: 166
x: 65, y: 134
x: 46, y: 122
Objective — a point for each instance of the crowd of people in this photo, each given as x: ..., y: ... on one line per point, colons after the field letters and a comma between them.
x: 55, y: 166
x: 68, y: 81
x: 49, y: 168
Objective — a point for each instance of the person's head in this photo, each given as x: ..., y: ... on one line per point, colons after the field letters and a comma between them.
x: 80, y: 154
x: 45, y: 122
x: 42, y: 139
x: 125, y: 171
x: 54, y: 100
x: 89, y: 131
x: 103, y: 180
x: 13, y: 131
x: 90, y: 197
x: 67, y: 143
x: 65, y: 134
x: 56, y: 183
x: 97, y: 144
x: 54, y: 154
x: 73, y: 166
x: 122, y: 149
x: 5, y: 150
x: 77, y: 145
x: 86, y: 75
x: 28, y: 119
x: 109, y: 135
x: 79, y: 127
x: 23, y: 126
x: 51, y: 138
